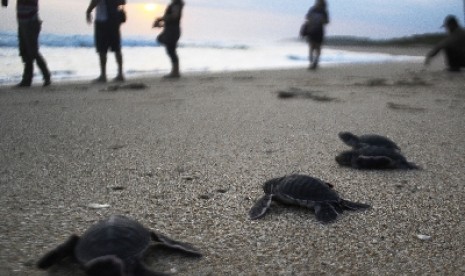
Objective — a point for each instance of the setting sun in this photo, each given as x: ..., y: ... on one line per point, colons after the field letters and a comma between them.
x: 150, y: 7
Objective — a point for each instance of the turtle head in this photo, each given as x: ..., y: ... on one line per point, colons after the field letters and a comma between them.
x: 345, y: 158
x: 105, y: 266
x: 349, y: 138
x: 270, y: 185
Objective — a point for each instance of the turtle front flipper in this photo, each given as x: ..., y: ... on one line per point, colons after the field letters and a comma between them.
x: 62, y: 251
x: 325, y: 212
x: 349, y: 205
x: 260, y: 207
x: 182, y: 246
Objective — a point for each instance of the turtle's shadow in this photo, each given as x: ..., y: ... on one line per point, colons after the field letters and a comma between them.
x: 157, y: 258
x: 280, y: 209
x: 66, y: 267
x: 163, y: 259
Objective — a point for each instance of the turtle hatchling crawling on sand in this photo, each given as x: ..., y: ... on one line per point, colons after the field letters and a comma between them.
x: 305, y: 191
x: 365, y: 140
x: 113, y: 247
x: 374, y: 158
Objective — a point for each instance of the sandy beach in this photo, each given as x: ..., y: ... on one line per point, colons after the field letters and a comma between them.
x: 188, y: 158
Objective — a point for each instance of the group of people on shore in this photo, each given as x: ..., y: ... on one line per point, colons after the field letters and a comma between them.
x: 453, y: 45
x: 110, y: 14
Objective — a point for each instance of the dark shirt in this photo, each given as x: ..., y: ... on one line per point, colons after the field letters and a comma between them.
x: 317, y: 17
x: 27, y: 10
x: 171, y: 21
x: 112, y: 8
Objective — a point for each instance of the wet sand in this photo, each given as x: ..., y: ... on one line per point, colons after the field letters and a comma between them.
x: 188, y: 157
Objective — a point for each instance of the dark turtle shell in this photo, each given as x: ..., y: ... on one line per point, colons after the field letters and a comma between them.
x: 367, y: 140
x: 119, y: 236
x: 304, y: 191
x: 302, y: 188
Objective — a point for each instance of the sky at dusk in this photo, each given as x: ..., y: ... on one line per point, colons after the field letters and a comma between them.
x: 255, y: 19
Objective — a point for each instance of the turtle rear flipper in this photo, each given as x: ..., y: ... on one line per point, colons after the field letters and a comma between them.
x: 170, y: 243
x: 260, y: 207
x: 108, y: 265
x: 373, y: 162
x: 349, y: 205
x: 325, y: 212
x: 410, y: 166
x: 349, y: 139
x: 62, y: 251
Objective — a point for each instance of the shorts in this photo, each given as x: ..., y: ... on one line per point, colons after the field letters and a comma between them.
x: 170, y: 36
x: 316, y: 36
x: 107, y: 36
x: 28, y: 36
x: 455, y: 58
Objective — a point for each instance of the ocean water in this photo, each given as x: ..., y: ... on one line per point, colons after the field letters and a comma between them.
x: 73, y: 57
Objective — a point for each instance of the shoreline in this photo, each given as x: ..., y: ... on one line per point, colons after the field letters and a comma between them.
x: 287, y: 59
x: 187, y: 158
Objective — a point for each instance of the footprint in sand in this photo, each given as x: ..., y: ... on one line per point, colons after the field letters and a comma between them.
x: 299, y: 93
x: 128, y: 86
x: 404, y: 107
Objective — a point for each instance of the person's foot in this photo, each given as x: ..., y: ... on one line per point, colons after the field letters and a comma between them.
x: 47, y: 82
x: 23, y: 84
x: 101, y: 79
x: 172, y: 76
x: 119, y: 78
x: 453, y: 69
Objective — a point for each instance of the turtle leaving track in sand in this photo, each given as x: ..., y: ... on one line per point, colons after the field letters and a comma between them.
x: 374, y: 158
x: 366, y: 140
x: 113, y: 247
x: 305, y: 191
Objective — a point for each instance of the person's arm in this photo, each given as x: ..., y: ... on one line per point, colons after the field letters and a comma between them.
x: 436, y: 50
x: 92, y: 5
x: 326, y: 21
x: 175, y: 15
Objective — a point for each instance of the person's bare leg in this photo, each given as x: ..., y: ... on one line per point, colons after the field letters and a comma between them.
x: 119, y: 61
x: 103, y: 68
x: 311, y: 50
x: 316, y: 56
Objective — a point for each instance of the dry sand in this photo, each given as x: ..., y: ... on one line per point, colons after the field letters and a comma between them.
x: 187, y: 158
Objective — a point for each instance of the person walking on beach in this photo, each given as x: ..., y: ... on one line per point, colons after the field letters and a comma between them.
x: 29, y: 26
x: 107, y: 33
x: 317, y: 17
x: 453, y: 45
x: 171, y: 24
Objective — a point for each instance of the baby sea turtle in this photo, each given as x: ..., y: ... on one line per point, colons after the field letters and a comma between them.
x: 113, y: 247
x: 361, y: 141
x: 374, y: 158
x: 305, y: 191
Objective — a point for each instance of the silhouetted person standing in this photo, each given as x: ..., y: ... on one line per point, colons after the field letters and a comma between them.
x: 453, y: 45
x: 29, y: 26
x: 107, y: 33
x: 317, y: 17
x: 171, y: 23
